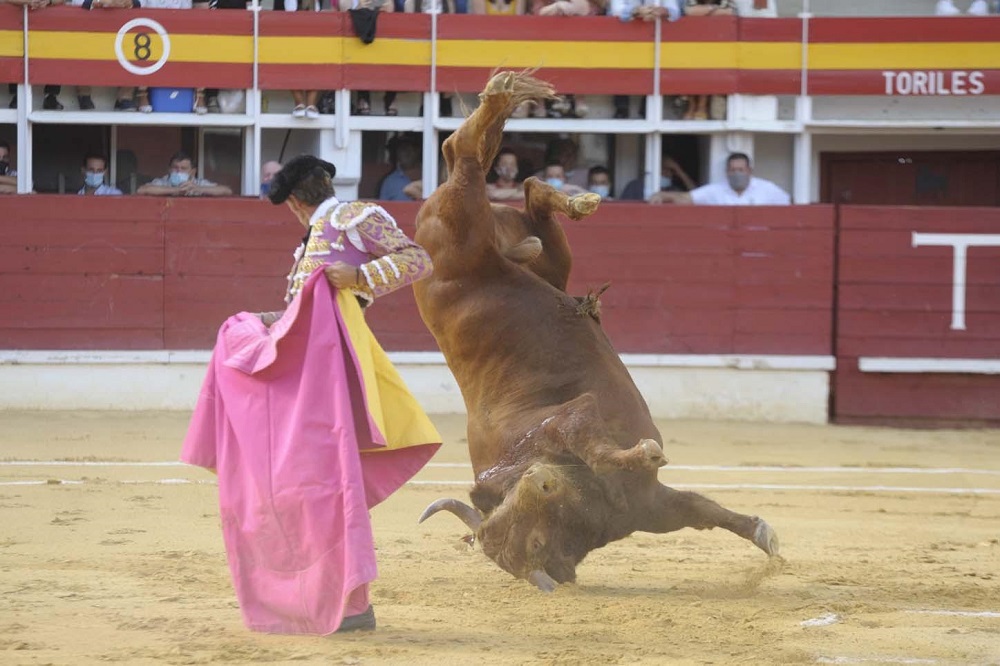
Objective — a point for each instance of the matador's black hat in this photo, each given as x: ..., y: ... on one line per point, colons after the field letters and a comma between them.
x: 294, y: 173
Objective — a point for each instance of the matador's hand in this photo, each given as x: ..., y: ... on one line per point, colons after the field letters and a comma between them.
x: 342, y: 275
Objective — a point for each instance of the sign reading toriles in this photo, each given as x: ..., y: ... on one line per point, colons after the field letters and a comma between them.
x: 141, y: 47
x: 943, y: 82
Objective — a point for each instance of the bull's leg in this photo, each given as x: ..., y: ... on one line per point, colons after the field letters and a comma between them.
x: 577, y: 427
x: 676, y: 509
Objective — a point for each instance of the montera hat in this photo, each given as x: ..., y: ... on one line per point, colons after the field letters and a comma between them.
x: 293, y: 173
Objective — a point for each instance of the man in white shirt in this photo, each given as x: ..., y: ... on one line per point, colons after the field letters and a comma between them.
x: 94, y: 168
x: 740, y: 189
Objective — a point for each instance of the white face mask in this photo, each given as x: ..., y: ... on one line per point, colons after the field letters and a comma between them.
x: 601, y: 190
x: 178, y: 178
x: 94, y: 180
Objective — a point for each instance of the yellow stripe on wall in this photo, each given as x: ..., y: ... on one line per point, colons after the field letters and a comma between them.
x: 571, y: 55
x: 11, y: 44
x: 101, y: 46
x: 301, y: 50
x: 923, y: 55
x: 731, y: 55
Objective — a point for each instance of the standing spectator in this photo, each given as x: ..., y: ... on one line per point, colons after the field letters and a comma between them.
x: 363, y: 106
x: 267, y: 173
x: 503, y: 182
x: 672, y: 179
x: 51, y: 100
x: 599, y: 181
x: 740, y: 189
x: 182, y: 181
x: 94, y: 169
x: 697, y: 108
x: 8, y: 176
x: 643, y: 10
x: 408, y: 170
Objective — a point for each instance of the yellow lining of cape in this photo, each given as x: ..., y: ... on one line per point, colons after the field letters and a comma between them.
x: 391, y: 405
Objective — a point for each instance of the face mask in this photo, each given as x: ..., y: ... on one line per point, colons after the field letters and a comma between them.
x: 178, y: 178
x: 738, y: 180
x: 506, y: 173
x: 555, y: 182
x: 94, y: 180
x: 265, y: 189
x: 601, y: 190
x: 666, y: 182
x: 4, y: 167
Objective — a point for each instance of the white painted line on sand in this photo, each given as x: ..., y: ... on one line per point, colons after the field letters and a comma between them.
x: 783, y: 469
x: 821, y: 621
x: 956, y: 613
x: 874, y: 660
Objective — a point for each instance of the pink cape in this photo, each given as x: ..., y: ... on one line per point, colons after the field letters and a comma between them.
x: 283, y: 417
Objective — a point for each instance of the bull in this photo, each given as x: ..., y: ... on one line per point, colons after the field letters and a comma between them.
x: 563, y: 447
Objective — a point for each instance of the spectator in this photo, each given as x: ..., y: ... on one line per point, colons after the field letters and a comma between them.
x: 672, y: 179
x: 408, y: 170
x: 503, y: 183
x: 182, y: 181
x: 599, y: 181
x: 363, y: 106
x: 697, y: 108
x: 212, y: 94
x: 946, y: 8
x: 51, y: 100
x: 740, y: 189
x: 305, y: 101
x: 497, y: 7
x: 8, y: 175
x: 433, y: 7
x: 94, y: 169
x: 644, y: 10
x: 565, y: 152
x: 267, y: 172
x: 567, y: 106
x: 199, y: 106
x: 124, y: 98
x: 555, y: 176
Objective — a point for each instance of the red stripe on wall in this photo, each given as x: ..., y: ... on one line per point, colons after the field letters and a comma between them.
x: 874, y: 82
x: 305, y: 24
x: 770, y: 30
x: 172, y: 75
x: 701, y: 29
x: 887, y: 29
x: 699, y: 81
x: 11, y: 17
x: 174, y: 21
x: 11, y: 70
x: 545, y: 28
x: 408, y: 78
x: 300, y: 77
x: 566, y: 81
x: 770, y: 81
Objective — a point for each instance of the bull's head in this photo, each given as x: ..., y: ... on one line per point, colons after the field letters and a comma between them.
x: 539, y: 528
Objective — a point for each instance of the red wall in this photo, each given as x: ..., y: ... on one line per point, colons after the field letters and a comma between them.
x: 895, y: 300
x: 148, y: 273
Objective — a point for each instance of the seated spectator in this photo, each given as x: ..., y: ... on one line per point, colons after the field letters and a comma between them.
x: 497, y: 7
x: 599, y: 182
x: 433, y: 7
x: 50, y: 101
x: 94, y: 169
x: 363, y: 104
x: 306, y: 101
x: 182, y: 181
x: 740, y: 189
x: 8, y: 175
x: 672, y: 179
x: 200, y: 106
x: 555, y: 176
x: 946, y: 8
x: 643, y: 10
x: 698, y: 105
x: 567, y: 106
x: 267, y: 172
x: 212, y: 94
x: 408, y: 169
x: 123, y: 98
x: 564, y: 151
x: 503, y: 182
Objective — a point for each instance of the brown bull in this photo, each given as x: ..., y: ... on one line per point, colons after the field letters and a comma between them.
x: 563, y: 447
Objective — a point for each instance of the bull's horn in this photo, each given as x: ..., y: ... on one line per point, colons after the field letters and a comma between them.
x: 466, y: 513
x: 542, y: 581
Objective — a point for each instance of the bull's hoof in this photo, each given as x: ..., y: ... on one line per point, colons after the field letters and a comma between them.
x: 765, y: 538
x: 652, y: 453
x: 583, y: 205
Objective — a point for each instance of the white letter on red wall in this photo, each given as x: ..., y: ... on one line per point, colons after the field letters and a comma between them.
x: 961, y: 244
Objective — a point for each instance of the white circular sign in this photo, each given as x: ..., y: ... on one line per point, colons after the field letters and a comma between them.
x: 142, y: 23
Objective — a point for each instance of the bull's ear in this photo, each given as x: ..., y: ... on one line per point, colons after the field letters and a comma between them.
x: 485, y: 498
x: 524, y: 252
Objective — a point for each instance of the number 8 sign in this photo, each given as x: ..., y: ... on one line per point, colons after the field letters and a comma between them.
x: 141, y: 50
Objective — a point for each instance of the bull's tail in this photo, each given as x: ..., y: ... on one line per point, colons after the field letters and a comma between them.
x: 481, y: 134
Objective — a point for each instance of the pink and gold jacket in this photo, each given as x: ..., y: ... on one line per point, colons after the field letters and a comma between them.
x: 361, y: 234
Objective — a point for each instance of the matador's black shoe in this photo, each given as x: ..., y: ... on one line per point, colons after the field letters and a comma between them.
x: 360, y: 622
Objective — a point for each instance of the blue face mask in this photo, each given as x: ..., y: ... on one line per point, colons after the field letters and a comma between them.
x: 93, y: 180
x: 666, y: 182
x: 265, y: 189
x: 178, y: 178
x: 601, y: 190
x: 555, y: 182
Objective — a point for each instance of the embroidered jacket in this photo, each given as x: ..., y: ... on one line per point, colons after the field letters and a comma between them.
x: 361, y: 234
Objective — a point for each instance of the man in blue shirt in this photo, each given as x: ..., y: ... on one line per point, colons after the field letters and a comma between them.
x: 94, y: 168
x: 408, y: 169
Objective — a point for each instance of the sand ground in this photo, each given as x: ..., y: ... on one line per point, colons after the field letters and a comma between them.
x: 891, y: 540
